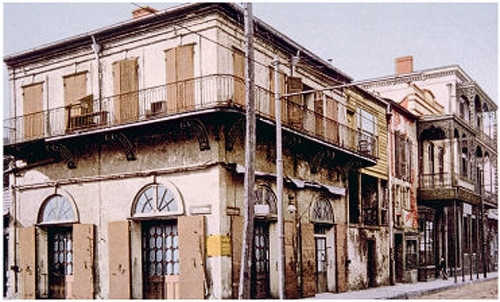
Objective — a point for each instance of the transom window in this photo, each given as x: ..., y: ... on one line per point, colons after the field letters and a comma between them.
x: 157, y: 199
x: 322, y: 211
x: 57, y: 208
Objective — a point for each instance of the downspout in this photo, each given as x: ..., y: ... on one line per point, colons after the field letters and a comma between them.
x: 388, y: 116
x: 97, y: 51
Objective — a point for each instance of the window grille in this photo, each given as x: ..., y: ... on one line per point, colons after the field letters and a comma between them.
x: 322, y: 211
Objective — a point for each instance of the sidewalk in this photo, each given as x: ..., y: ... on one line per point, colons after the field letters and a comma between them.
x: 406, y: 290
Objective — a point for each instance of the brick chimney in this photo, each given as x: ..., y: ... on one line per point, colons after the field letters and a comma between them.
x: 404, y: 65
x: 143, y: 11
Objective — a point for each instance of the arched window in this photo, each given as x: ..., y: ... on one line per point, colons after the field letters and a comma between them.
x: 265, y: 201
x: 464, y: 156
x: 57, y: 209
x: 157, y: 200
x: 464, y: 108
x: 322, y: 211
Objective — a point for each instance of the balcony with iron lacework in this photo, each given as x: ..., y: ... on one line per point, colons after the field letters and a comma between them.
x: 190, y: 97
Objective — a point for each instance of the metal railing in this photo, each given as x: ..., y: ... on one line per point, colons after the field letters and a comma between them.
x: 436, y: 181
x: 214, y: 91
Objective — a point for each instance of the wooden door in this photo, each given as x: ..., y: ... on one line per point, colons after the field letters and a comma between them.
x: 160, y: 248
x: 321, y: 264
x: 60, y: 261
x: 33, y: 114
x: 260, y: 261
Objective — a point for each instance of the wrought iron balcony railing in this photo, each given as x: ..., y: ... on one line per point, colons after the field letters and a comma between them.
x: 215, y: 91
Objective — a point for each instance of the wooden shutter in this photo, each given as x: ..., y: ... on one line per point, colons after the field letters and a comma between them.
x: 239, y: 77
x: 126, y: 84
x: 332, y: 126
x: 319, y: 114
x: 83, y: 251
x: 308, y: 260
x: 236, y: 242
x: 295, y: 103
x: 341, y: 254
x: 192, y: 257
x: 180, y: 78
x: 75, y: 88
x: 119, y: 260
x: 185, y: 77
x: 33, y: 115
x: 291, y: 282
x: 171, y: 61
x: 27, y: 262
x: 272, y: 89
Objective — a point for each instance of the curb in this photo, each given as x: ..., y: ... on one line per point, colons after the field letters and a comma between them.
x: 415, y: 294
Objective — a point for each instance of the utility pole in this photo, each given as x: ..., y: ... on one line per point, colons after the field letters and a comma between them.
x: 279, y: 178
x: 250, y: 142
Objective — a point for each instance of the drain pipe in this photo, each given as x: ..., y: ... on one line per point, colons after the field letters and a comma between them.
x: 97, y: 51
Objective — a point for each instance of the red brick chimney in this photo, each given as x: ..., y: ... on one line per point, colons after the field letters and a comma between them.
x: 143, y: 11
x: 404, y: 65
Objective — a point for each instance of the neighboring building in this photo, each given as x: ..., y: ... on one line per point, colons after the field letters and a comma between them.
x: 132, y: 139
x: 404, y: 186
x: 457, y: 151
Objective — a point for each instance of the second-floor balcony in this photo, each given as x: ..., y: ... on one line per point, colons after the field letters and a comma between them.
x: 181, y: 98
x: 447, y: 186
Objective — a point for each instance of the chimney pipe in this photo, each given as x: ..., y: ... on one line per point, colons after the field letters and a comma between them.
x: 143, y: 11
x: 404, y: 65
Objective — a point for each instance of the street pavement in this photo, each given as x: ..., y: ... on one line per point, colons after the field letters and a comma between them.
x: 407, y: 290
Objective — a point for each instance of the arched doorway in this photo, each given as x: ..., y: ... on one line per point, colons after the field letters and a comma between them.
x: 56, y: 219
x: 265, y: 211
x: 323, y: 218
x: 157, y: 206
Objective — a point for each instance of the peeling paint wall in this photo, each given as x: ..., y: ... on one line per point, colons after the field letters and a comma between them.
x: 359, y: 254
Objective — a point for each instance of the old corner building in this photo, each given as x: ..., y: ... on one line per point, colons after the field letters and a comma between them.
x: 124, y: 167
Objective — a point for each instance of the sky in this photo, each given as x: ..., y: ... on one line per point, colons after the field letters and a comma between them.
x: 362, y: 39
